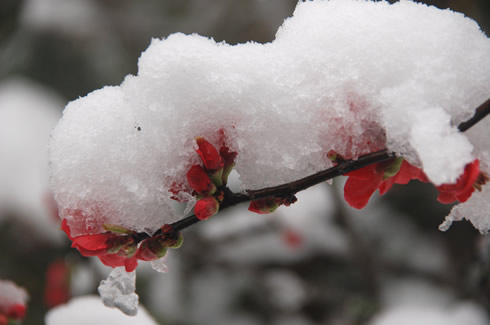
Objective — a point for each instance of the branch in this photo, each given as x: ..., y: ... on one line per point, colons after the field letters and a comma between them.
x: 290, y: 189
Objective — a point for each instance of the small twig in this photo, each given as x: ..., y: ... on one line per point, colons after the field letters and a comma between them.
x: 480, y: 113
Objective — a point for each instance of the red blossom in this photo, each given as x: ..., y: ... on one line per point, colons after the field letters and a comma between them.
x: 463, y: 188
x: 209, y: 155
x: 362, y: 183
x: 3, y: 320
x: 206, y: 207
x: 112, y: 250
x: 57, y: 290
x: 16, y: 311
x: 199, y: 180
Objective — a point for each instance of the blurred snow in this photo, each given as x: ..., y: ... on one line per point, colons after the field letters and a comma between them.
x: 90, y: 310
x: 63, y: 16
x: 361, y: 80
x: 311, y: 218
x: 11, y: 294
x: 415, y: 302
x: 28, y: 113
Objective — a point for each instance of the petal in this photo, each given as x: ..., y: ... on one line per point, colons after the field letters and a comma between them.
x: 112, y: 260
x: 209, y: 155
x: 357, y: 192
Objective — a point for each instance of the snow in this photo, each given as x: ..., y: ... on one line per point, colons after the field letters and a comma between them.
x: 61, y: 16
x: 28, y: 113
x: 160, y: 265
x: 416, y: 302
x: 364, y: 75
x: 354, y: 76
x: 90, y: 310
x: 476, y: 208
x: 118, y: 291
x: 11, y: 294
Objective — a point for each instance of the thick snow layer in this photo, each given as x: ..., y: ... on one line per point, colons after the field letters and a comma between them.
x: 90, y: 310
x: 353, y: 76
x: 28, y: 113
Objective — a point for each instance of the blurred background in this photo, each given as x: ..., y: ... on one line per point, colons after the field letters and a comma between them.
x: 317, y: 262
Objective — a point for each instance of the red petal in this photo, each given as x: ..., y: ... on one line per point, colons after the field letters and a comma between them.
x: 112, y: 260
x: 209, y: 155
x: 92, y: 245
x: 199, y: 180
x: 227, y: 155
x: 357, y: 191
x: 130, y: 264
x: 366, y: 173
x: 16, y: 311
x: 386, y: 185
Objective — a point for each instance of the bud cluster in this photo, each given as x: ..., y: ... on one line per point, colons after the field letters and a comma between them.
x: 209, y: 181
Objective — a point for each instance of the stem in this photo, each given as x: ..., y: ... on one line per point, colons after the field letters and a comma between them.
x: 480, y: 112
x: 291, y: 188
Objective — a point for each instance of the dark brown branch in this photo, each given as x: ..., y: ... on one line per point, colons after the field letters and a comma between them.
x: 291, y: 188
x: 480, y: 113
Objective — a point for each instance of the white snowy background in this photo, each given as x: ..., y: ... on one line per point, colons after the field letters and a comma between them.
x: 317, y: 262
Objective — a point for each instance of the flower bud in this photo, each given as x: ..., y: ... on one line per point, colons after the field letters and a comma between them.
x: 206, y: 207
x: 393, y: 168
x: 199, y: 180
x: 209, y: 155
x: 264, y: 206
x: 229, y: 162
x: 151, y: 249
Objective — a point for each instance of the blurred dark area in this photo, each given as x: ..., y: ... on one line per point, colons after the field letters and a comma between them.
x: 73, y: 47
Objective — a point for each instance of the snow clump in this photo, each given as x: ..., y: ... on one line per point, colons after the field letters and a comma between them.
x: 352, y: 76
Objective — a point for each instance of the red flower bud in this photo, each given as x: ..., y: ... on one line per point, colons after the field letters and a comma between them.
x: 229, y: 162
x: 264, y: 206
x: 152, y: 249
x: 209, y: 155
x: 206, y: 207
x: 16, y: 311
x: 199, y: 180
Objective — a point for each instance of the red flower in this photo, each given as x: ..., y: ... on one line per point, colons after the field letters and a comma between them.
x: 463, y: 188
x: 206, y: 207
x: 16, y: 311
x: 362, y: 183
x: 112, y: 250
x: 57, y: 290
x: 199, y: 180
x: 3, y: 320
x: 209, y: 155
